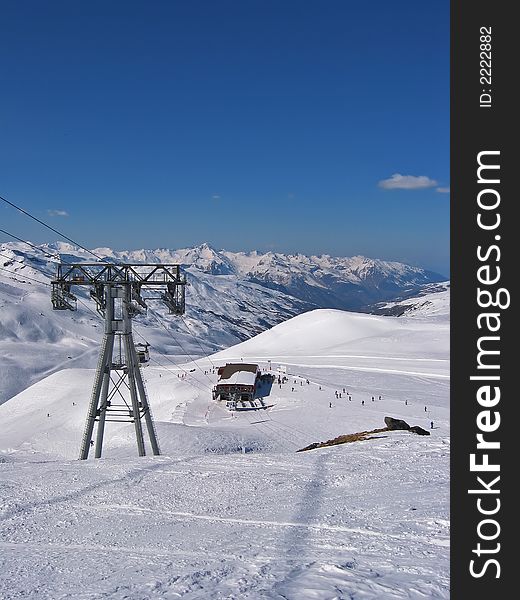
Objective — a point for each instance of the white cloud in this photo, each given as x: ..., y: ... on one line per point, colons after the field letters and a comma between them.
x: 57, y: 213
x: 443, y: 190
x: 407, y: 182
x: 215, y: 197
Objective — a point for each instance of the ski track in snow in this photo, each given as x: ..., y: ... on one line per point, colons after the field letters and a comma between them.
x: 282, y: 358
x: 377, y: 369
x: 230, y: 511
x: 379, y: 545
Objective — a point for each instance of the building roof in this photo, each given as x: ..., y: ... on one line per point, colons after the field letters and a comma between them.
x: 238, y: 374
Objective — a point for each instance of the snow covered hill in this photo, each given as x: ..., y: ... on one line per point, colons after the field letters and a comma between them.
x: 231, y: 297
x: 231, y: 510
x: 323, y: 342
x: 221, y: 311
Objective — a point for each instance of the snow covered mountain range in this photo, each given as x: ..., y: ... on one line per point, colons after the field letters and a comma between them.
x: 231, y: 298
x: 324, y: 281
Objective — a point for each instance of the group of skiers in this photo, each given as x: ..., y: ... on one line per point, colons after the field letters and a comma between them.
x: 349, y: 397
x: 338, y: 394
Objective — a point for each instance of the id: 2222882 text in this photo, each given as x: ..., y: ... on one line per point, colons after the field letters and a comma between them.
x: 485, y: 67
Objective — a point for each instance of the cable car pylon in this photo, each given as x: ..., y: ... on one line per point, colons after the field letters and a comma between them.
x: 117, y: 290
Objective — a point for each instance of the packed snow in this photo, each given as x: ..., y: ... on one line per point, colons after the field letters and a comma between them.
x: 231, y: 510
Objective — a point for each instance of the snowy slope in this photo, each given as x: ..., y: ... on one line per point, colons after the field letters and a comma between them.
x: 327, y: 343
x: 230, y: 510
x: 221, y: 311
x: 359, y: 522
x: 432, y: 300
x: 324, y: 332
x: 231, y: 297
x: 35, y: 340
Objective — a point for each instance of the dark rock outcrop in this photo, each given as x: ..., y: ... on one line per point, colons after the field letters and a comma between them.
x: 396, y: 424
x: 391, y: 425
x: 419, y: 430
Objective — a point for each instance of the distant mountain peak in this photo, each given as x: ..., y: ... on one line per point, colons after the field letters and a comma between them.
x: 206, y: 258
x: 205, y: 247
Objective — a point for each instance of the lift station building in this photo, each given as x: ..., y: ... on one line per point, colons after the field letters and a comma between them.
x: 236, y: 382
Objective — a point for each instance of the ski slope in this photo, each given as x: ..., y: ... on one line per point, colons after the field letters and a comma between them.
x: 231, y: 297
x: 230, y: 510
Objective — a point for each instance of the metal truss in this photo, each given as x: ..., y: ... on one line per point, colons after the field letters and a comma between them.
x: 120, y: 292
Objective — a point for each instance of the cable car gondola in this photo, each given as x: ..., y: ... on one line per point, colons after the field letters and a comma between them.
x: 142, y: 352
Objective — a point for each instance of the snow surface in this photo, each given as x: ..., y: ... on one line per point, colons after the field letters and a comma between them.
x: 231, y: 297
x: 230, y: 510
x: 430, y: 304
x: 239, y: 378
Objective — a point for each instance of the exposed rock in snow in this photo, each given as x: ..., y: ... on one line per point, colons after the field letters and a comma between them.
x: 396, y: 424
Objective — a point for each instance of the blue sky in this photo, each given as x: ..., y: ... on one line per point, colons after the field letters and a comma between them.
x: 291, y: 126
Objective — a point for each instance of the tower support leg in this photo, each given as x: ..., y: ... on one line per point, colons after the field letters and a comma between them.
x: 146, y: 407
x: 103, y: 399
x: 136, y: 409
x: 105, y: 357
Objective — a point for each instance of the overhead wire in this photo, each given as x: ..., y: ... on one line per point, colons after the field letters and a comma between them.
x: 56, y: 255
x: 284, y: 427
x: 269, y: 432
x: 269, y: 429
x: 22, y: 262
x: 289, y: 427
x: 205, y: 353
x: 86, y: 306
x: 195, y: 384
x: 154, y: 314
x: 15, y: 275
x: 170, y: 333
x: 199, y: 386
x: 285, y: 431
x: 282, y: 430
x: 28, y: 214
x: 157, y: 317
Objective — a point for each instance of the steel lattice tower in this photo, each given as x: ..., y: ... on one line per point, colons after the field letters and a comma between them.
x: 117, y: 289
